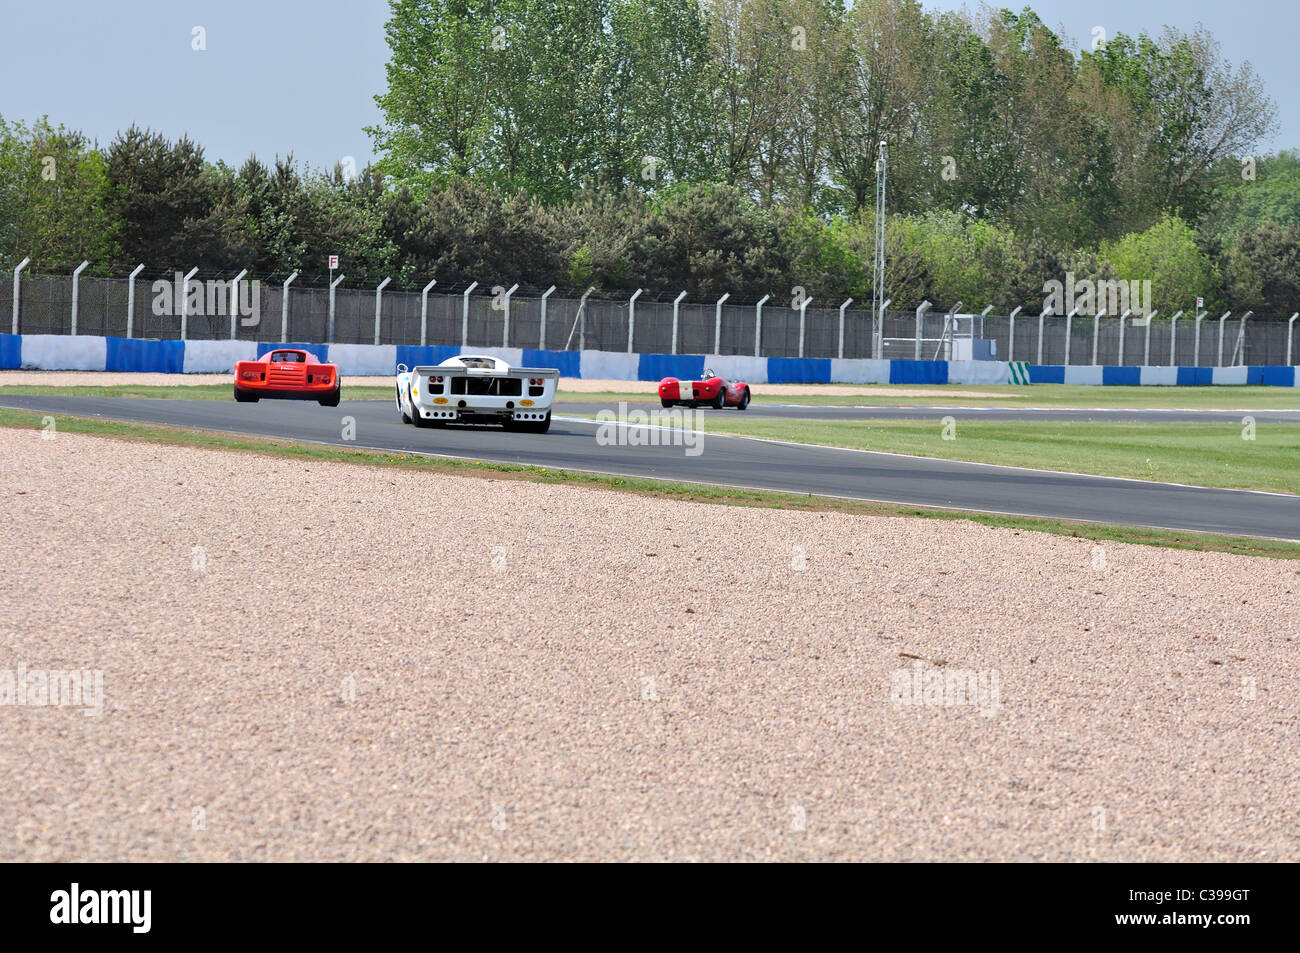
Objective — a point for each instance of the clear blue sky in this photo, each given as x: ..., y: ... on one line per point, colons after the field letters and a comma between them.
x: 281, y: 76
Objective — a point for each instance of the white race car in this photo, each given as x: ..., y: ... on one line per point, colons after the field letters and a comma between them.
x: 478, y: 389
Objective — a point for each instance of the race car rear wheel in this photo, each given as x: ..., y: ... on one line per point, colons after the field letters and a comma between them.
x: 333, y: 399
x: 244, y: 397
x: 666, y: 403
x: 416, y: 419
x: 401, y: 409
x: 721, y: 400
x: 744, y: 401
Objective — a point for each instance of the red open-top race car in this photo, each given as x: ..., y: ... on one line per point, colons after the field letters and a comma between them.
x: 710, y: 390
x: 288, y: 374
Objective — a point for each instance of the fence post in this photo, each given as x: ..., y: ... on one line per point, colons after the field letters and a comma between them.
x: 541, y: 333
x: 758, y: 326
x: 842, y: 307
x: 505, y: 331
x: 464, y: 316
x: 1011, y: 338
x: 76, y: 281
x: 1223, y: 317
x: 582, y: 319
x: 676, y: 309
x: 718, y: 324
x: 1239, y: 349
x: 185, y: 299
x: 1290, y: 327
x: 284, y: 307
x: 878, y: 341
x: 1146, y: 347
x: 1069, y: 321
x: 803, y: 315
x: 1173, y: 337
x: 424, y: 313
x: 949, y: 332
x: 1096, y: 328
x: 329, y: 333
x: 1041, y: 328
x: 234, y: 300
x: 984, y: 314
x: 921, y: 312
x: 1126, y: 313
x: 130, y: 299
x: 1196, y: 349
x: 379, y: 304
x: 27, y: 261
x: 631, y: 317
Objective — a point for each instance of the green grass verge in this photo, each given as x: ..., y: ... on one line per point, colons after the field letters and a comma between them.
x: 1206, y: 454
x: 662, y: 489
x: 1038, y: 395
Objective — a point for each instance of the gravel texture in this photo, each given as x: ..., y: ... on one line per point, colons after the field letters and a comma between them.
x: 309, y: 661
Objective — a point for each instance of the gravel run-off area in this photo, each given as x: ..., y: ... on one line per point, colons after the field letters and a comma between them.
x: 320, y: 661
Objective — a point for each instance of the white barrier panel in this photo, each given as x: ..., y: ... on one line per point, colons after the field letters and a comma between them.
x: 64, y: 352
x: 514, y: 356
x: 217, y: 357
x: 735, y: 367
x: 1083, y: 374
x: 859, y: 371
x: 1229, y: 375
x: 611, y: 366
x: 1159, y: 376
x: 364, y: 360
x: 979, y: 372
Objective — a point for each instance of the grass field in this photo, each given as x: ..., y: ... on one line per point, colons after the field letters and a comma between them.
x: 1208, y: 454
x: 119, y: 430
x: 1039, y: 395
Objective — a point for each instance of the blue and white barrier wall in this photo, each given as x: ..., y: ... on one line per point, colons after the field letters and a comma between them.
x: 88, y: 353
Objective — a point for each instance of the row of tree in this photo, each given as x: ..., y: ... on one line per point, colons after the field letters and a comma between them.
x: 787, y: 100
x: 721, y: 146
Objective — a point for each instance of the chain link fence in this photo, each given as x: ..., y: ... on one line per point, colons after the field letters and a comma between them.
x: 643, y: 326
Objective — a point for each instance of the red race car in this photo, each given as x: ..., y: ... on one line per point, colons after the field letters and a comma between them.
x: 289, y: 374
x: 710, y: 390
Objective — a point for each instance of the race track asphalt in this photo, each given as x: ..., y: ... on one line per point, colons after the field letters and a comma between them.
x: 733, y: 461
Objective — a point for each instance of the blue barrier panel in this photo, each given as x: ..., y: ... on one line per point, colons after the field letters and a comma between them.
x: 1195, y: 376
x: 655, y: 367
x: 1271, y: 376
x: 11, y: 352
x: 1124, y: 376
x: 798, y: 370
x: 131, y: 354
x: 1047, y: 373
x: 320, y: 350
x: 568, y: 363
x: 415, y: 355
x: 918, y: 372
